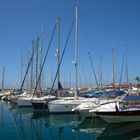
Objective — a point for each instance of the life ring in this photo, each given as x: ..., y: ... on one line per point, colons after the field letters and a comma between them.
x: 97, y: 101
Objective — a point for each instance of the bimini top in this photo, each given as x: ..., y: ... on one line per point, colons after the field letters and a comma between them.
x: 131, y: 98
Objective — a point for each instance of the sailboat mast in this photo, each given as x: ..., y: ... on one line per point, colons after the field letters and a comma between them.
x: 58, y: 54
x: 3, y: 72
x: 21, y: 69
x: 37, y: 63
x: 101, y: 72
x: 32, y: 66
x: 113, y: 67
x: 76, y: 53
x: 41, y: 53
x: 70, y: 80
x: 126, y: 68
x: 27, y: 73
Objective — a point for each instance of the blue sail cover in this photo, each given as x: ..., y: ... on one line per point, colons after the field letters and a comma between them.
x: 113, y: 93
x: 103, y: 94
x: 131, y: 98
x: 91, y: 94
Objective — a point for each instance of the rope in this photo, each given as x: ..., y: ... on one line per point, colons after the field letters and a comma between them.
x: 62, y: 55
x: 29, y: 63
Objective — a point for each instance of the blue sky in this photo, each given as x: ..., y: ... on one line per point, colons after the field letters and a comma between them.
x: 103, y: 24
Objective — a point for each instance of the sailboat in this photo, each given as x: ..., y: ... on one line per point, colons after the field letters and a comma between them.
x: 21, y: 97
x: 42, y: 102
x: 66, y: 105
x: 106, y: 96
x: 25, y: 101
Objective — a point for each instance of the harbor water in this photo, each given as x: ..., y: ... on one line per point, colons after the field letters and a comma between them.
x: 27, y: 124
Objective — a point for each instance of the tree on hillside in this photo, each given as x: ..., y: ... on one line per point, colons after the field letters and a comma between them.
x: 137, y: 79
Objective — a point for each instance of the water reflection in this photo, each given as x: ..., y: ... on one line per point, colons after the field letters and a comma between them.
x: 22, y: 122
x: 64, y: 120
x: 4, y: 106
x: 59, y: 126
x: 105, y: 131
x: 39, y: 125
x: 1, y: 114
x: 27, y: 124
x: 123, y: 131
x: 90, y: 125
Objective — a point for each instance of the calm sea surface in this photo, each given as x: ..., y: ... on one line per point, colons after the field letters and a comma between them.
x: 27, y: 124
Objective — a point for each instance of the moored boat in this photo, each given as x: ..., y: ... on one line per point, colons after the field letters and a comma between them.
x: 125, y: 110
x: 42, y: 103
x: 105, y: 97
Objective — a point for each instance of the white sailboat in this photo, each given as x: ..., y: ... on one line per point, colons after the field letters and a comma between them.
x: 43, y: 104
x: 107, y: 96
x: 66, y: 105
x: 36, y: 99
x: 27, y: 101
x: 20, y: 96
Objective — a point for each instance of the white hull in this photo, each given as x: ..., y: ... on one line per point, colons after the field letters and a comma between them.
x: 68, y: 105
x: 5, y: 96
x: 115, y: 112
x: 85, y: 107
x: 120, y: 119
x: 27, y: 101
x: 62, y: 106
x: 15, y: 97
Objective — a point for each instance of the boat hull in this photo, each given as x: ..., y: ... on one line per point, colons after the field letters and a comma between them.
x: 24, y: 103
x: 121, y: 116
x: 61, y: 107
x: 40, y: 105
